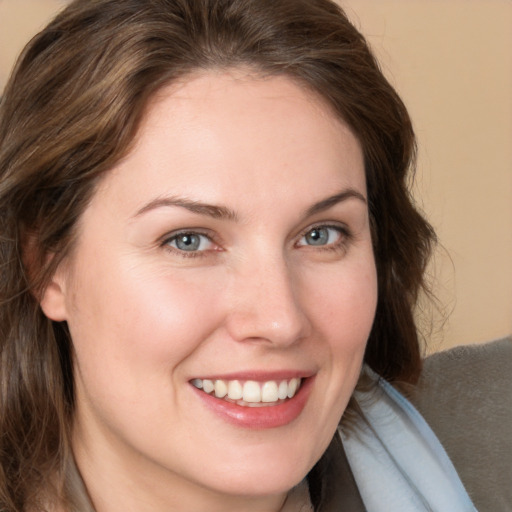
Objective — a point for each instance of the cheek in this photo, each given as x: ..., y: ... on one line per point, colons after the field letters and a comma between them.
x: 342, y: 302
x: 145, y: 320
x: 345, y: 305
x: 343, y: 311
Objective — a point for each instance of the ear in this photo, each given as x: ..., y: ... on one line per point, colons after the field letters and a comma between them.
x: 53, y: 299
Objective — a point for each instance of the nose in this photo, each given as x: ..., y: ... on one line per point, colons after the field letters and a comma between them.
x: 265, y: 303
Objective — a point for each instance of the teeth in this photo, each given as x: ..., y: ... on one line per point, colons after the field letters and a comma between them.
x: 250, y: 392
x: 221, y: 389
x: 269, y: 392
x: 198, y: 383
x: 292, y: 387
x: 208, y: 386
x: 282, y: 391
x: 235, y: 390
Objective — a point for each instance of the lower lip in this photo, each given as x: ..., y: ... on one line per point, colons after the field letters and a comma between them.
x: 272, y: 416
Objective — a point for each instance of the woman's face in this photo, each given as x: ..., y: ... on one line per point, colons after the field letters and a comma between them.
x: 231, y: 249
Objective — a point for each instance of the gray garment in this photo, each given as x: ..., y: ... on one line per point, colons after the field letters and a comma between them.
x: 331, y: 483
x: 465, y: 394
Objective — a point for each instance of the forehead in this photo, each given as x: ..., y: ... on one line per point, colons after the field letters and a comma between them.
x: 228, y: 86
x: 218, y: 132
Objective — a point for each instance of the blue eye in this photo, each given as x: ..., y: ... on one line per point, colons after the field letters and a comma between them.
x: 321, y: 236
x: 189, y: 242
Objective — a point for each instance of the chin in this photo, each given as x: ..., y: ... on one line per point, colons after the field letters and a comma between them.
x: 261, y: 483
x: 267, y: 472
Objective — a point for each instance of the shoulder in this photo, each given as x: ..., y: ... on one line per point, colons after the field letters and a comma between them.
x: 465, y: 394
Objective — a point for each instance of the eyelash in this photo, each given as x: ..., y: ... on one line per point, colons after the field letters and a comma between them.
x: 344, y: 233
x: 339, y: 245
x: 187, y: 254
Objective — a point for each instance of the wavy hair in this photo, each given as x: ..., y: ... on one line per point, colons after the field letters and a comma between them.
x: 70, y: 112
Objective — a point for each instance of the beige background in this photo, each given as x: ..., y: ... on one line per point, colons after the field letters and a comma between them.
x: 451, y: 62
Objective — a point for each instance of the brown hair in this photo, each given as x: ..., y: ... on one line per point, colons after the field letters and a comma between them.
x: 71, y: 111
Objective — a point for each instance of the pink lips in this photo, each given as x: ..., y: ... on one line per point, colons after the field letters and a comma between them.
x: 272, y: 416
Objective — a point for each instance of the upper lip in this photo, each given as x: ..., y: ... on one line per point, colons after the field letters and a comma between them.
x: 259, y: 376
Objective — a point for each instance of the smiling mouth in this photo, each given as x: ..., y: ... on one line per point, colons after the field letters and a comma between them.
x: 250, y: 393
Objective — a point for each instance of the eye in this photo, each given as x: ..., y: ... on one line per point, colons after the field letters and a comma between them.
x: 190, y: 242
x: 321, y: 236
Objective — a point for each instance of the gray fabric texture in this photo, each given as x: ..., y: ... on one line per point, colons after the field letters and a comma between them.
x: 465, y: 394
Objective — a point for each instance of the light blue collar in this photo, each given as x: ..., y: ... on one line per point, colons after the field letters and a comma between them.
x: 397, y: 461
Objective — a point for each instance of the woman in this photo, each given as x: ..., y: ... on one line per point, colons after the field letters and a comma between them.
x: 206, y: 231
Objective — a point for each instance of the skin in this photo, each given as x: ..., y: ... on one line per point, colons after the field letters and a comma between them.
x: 146, y: 318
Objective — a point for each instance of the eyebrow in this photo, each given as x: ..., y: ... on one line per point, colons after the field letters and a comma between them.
x: 224, y: 213
x: 210, y: 210
x: 329, y: 202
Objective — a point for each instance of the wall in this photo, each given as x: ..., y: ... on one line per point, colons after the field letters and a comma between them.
x: 451, y: 62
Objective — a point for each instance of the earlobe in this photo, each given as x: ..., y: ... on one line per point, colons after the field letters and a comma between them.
x: 53, y: 301
x: 52, y: 297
